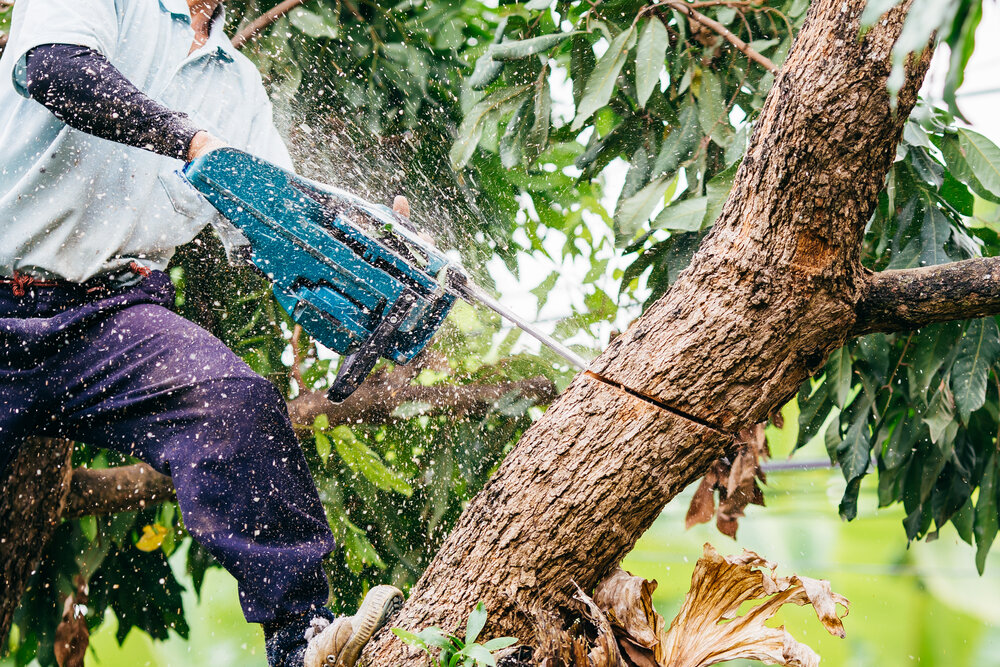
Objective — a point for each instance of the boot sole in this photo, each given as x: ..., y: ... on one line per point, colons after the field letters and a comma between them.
x: 380, y: 604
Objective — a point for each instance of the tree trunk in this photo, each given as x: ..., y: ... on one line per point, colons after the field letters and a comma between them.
x: 771, y: 292
x: 31, y: 504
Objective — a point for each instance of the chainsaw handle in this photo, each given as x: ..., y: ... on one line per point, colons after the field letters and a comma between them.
x: 356, y: 367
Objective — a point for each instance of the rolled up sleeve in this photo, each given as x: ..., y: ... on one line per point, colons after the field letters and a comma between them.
x: 90, y: 23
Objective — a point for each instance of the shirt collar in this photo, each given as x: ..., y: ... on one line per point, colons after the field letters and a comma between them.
x: 178, y: 9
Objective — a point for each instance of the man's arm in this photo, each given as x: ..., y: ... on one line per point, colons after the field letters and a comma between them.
x: 84, y: 90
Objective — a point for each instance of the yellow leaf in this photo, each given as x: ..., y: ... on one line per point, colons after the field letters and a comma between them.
x: 152, y: 537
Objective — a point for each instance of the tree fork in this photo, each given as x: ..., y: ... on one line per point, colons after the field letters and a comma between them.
x: 770, y: 293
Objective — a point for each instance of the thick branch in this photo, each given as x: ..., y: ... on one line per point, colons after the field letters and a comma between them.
x: 379, y: 397
x: 254, y: 28
x: 725, y: 32
x: 116, y: 490
x: 912, y: 298
x: 132, y: 487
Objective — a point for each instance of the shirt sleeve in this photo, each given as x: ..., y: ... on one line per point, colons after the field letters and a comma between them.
x: 90, y: 23
x: 85, y: 91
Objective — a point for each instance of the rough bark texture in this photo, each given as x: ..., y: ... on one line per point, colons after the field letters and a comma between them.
x: 31, y: 502
x: 769, y: 295
x: 912, y: 298
x: 93, y: 492
x: 377, y: 398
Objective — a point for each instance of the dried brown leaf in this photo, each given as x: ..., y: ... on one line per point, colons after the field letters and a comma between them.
x: 736, y: 481
x: 72, y: 635
x: 627, y: 601
x: 605, y: 652
x: 702, y: 507
x: 719, y: 587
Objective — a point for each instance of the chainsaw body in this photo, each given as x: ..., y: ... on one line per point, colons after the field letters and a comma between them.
x: 355, y: 275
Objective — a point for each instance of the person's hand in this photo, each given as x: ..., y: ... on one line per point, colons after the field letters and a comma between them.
x: 202, y: 143
x: 401, y: 206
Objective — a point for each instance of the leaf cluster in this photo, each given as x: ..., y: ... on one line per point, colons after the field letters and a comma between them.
x: 922, y: 408
x: 454, y: 651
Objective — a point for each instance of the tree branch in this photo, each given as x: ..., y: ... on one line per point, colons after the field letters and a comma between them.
x: 909, y: 299
x: 376, y: 400
x: 133, y: 487
x: 712, y: 24
x: 251, y: 30
x: 112, y: 490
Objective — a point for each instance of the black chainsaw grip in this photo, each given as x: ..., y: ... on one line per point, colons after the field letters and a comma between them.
x: 356, y: 367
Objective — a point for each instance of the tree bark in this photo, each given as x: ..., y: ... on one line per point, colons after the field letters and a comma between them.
x: 31, y: 503
x: 771, y: 292
x: 912, y: 298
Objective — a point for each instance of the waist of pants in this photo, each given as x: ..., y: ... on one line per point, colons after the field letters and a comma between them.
x: 21, y: 284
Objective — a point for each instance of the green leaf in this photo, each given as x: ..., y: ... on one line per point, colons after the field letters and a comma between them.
x: 510, y: 143
x: 939, y: 415
x: 680, y: 144
x: 499, y: 643
x: 323, y: 447
x: 476, y: 623
x: 717, y: 190
x: 435, y: 637
x: 582, y: 62
x: 985, y: 526
x: 486, y: 71
x: 978, y: 351
x: 711, y: 105
x: 409, y: 638
x: 685, y: 216
x: 633, y: 212
x: 853, y: 454
x: 471, y: 129
x: 480, y: 654
x: 541, y: 292
x: 538, y: 5
x: 874, y: 9
x: 367, y: 463
x: 650, y: 58
x: 536, y: 139
x: 314, y: 24
x: 934, y: 233
x: 839, y: 374
x: 523, y: 48
x: 815, y: 405
x: 601, y: 83
x: 962, y: 42
x: 983, y: 157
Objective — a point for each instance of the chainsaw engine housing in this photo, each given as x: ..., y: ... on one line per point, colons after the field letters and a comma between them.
x: 355, y: 275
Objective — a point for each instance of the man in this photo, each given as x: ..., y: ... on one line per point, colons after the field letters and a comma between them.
x: 100, y: 102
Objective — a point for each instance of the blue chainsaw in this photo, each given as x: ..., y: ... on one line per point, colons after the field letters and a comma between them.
x: 359, y: 278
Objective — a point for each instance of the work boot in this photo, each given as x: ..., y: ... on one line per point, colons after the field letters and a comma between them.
x: 319, y: 639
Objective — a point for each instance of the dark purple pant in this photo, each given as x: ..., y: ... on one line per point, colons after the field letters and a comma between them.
x: 120, y: 370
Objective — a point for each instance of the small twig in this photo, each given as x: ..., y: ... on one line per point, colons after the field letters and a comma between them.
x: 297, y: 358
x: 712, y: 24
x: 254, y: 28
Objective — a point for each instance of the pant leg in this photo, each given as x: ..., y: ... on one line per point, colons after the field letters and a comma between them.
x: 140, y: 379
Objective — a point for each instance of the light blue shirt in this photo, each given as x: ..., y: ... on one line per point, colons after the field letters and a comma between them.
x: 73, y: 206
